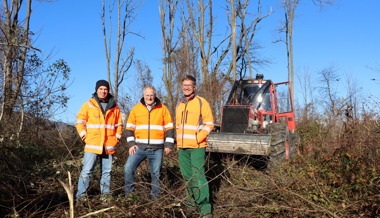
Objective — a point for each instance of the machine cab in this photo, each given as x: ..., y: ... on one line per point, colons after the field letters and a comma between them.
x: 251, y: 92
x: 255, y: 103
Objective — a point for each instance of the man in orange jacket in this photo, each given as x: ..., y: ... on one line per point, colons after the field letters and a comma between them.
x: 150, y: 133
x: 194, y: 122
x: 99, y: 124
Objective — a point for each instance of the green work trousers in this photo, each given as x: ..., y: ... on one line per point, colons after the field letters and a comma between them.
x: 191, y: 163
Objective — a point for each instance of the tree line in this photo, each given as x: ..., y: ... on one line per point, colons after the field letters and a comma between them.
x: 35, y: 90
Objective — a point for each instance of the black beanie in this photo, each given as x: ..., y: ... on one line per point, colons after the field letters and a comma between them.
x: 102, y: 83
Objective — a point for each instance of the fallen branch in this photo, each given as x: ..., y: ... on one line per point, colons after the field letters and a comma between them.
x: 96, y: 212
x: 70, y: 194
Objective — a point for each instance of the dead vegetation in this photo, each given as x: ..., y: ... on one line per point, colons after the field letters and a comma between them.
x: 337, y: 174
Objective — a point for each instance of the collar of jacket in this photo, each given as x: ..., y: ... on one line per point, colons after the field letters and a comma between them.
x: 156, y: 102
x: 183, y: 98
x: 111, y: 101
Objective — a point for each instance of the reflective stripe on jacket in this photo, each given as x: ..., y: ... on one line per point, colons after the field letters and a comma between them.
x: 100, y: 130
x: 194, y: 122
x: 150, y: 129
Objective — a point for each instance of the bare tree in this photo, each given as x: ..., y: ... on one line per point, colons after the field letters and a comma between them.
x: 31, y: 90
x: 328, y: 78
x: 306, y: 90
x: 144, y: 76
x: 233, y: 37
x: 15, y: 45
x: 118, y: 60
x: 242, y: 24
x: 246, y: 48
x: 331, y: 105
x: 131, y: 94
x: 353, y: 96
x: 167, y: 12
x: 202, y: 34
x: 201, y: 23
x: 196, y: 50
x: 290, y: 9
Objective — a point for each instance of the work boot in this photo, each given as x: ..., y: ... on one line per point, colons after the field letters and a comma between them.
x: 81, y: 201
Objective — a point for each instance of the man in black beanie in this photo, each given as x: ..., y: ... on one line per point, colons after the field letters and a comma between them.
x: 99, y: 124
x: 102, y: 82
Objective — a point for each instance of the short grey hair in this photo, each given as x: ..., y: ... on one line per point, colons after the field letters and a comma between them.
x: 150, y: 87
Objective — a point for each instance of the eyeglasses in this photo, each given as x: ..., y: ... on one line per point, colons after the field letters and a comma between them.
x: 187, y: 85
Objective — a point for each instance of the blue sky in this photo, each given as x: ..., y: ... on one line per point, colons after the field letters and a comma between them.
x: 346, y: 36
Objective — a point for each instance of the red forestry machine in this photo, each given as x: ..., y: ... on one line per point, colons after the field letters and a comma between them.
x: 258, y: 119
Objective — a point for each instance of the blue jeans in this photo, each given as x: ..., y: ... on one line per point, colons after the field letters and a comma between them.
x: 155, y: 162
x: 88, y: 168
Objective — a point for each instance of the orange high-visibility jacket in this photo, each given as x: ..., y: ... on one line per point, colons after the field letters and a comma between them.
x: 100, y: 130
x: 150, y: 129
x: 194, y: 122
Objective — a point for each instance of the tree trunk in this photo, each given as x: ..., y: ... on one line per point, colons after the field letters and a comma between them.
x: 16, y: 47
